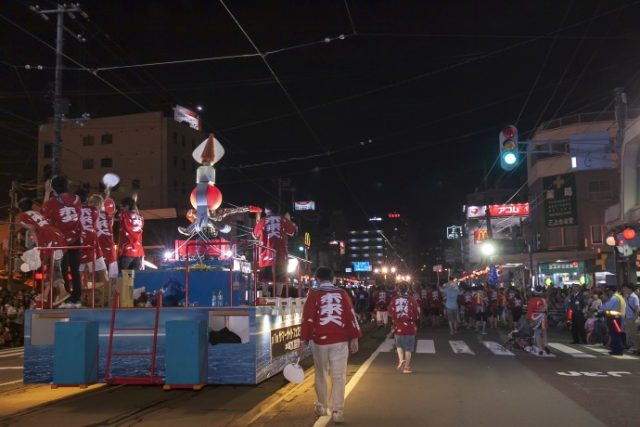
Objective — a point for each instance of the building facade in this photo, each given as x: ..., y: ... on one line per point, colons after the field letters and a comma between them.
x: 151, y: 153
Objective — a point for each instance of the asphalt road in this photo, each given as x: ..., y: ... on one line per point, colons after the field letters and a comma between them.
x: 579, y: 386
x: 11, y: 360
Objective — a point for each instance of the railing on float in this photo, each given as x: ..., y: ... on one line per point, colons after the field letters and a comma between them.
x: 239, y: 245
x: 51, y: 277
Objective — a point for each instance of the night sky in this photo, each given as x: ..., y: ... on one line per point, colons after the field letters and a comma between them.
x: 398, y: 110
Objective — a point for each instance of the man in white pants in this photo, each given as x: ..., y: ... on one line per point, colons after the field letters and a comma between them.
x: 328, y: 319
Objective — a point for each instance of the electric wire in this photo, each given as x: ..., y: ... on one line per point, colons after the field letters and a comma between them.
x: 544, y: 63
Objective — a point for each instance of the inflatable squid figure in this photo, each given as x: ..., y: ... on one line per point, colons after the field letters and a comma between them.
x: 205, y: 217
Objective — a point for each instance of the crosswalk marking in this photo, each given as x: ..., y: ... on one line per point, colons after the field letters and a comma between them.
x: 425, y: 346
x: 571, y: 351
x: 497, y: 349
x: 603, y: 350
x: 460, y: 347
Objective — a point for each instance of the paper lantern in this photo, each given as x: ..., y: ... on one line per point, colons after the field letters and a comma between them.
x: 214, y: 197
x: 610, y: 240
x: 629, y: 233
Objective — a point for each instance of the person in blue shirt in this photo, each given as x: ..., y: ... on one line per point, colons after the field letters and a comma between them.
x: 613, y: 310
x: 451, y: 292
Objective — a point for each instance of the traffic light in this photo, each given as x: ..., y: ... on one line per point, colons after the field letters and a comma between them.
x: 509, y: 156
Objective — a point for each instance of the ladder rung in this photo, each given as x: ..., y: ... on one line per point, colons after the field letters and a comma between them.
x: 135, y: 380
x: 131, y: 353
x: 133, y: 329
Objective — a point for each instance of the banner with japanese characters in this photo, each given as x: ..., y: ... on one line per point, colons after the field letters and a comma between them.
x: 284, y: 340
x: 560, y: 205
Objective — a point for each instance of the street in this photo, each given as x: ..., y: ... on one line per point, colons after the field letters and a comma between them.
x: 457, y: 380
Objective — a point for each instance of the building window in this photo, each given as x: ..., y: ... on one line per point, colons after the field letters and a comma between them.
x: 183, y: 141
x: 135, y: 184
x: 175, y: 138
x: 596, y: 234
x: 107, y: 162
x: 175, y: 161
x: 48, y: 150
x: 87, y: 140
x: 183, y: 164
x: 561, y: 237
x: 87, y: 164
x: 107, y: 138
x: 599, y: 189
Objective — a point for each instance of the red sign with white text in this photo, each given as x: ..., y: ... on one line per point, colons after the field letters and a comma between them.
x: 517, y: 209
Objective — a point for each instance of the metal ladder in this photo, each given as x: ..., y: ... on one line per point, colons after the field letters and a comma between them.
x: 151, y: 378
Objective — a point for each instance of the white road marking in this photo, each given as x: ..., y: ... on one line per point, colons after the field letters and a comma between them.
x: 497, y: 349
x: 605, y: 351
x: 11, y: 382
x: 571, y: 351
x: 7, y: 355
x: 460, y: 347
x: 425, y: 346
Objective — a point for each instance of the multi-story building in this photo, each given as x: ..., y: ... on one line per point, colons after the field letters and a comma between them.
x: 572, y: 179
x: 150, y: 152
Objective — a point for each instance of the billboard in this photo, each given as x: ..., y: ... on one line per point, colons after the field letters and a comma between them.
x: 361, y: 266
x: 476, y: 211
x: 513, y: 209
x: 184, y: 115
x: 307, y: 205
x: 560, y: 204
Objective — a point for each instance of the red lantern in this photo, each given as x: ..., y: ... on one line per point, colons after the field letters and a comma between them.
x: 214, y: 198
x: 629, y: 233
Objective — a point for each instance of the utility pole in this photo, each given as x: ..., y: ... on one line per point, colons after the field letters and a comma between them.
x: 621, y: 263
x: 58, y: 102
x: 12, y: 231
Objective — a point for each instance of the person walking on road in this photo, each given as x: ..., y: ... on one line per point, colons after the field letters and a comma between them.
x: 576, y: 309
x: 404, y: 312
x: 451, y: 292
x: 328, y: 319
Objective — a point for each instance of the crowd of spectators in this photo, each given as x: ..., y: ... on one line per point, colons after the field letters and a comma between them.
x: 13, y: 304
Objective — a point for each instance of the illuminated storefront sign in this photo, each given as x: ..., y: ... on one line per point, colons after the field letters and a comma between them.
x: 476, y: 211
x: 514, y: 209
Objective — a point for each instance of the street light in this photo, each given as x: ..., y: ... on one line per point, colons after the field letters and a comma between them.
x: 488, y: 248
x: 385, y: 270
x: 393, y: 269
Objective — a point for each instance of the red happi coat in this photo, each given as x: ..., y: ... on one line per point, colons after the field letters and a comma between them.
x: 46, y: 234
x: 130, y: 235
x: 328, y: 316
x: 404, y: 313
x: 104, y: 228
x: 272, y: 231
x: 88, y: 220
x: 63, y: 212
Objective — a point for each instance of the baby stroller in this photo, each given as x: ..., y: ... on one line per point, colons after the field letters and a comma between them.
x: 523, y: 337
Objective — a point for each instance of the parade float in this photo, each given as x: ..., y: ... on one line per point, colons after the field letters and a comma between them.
x: 202, y: 317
